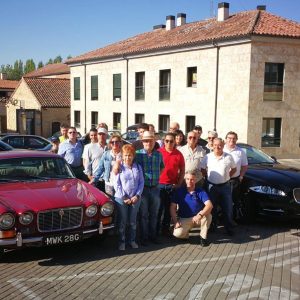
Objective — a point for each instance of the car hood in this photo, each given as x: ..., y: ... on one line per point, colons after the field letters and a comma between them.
x: 45, y: 195
x: 274, y: 175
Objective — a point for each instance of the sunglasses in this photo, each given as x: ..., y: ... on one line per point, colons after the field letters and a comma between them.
x: 115, y: 142
x: 70, y: 132
x: 192, y: 138
x: 169, y: 141
x: 210, y: 138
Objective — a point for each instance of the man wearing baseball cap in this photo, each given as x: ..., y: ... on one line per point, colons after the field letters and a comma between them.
x: 151, y: 162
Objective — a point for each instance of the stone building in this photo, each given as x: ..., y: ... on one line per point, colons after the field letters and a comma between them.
x: 41, y: 102
x: 236, y: 72
x: 6, y: 89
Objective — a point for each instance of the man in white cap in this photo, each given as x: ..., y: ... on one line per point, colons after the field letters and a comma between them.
x: 151, y: 162
x: 93, y: 151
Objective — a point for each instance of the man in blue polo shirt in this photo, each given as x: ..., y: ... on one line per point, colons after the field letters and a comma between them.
x: 194, y: 210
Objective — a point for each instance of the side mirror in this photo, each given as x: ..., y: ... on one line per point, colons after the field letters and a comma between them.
x: 274, y: 158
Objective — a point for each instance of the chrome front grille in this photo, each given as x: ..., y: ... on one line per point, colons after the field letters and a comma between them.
x: 296, y: 193
x: 59, y: 219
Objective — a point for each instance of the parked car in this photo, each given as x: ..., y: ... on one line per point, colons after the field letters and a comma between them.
x: 43, y: 204
x: 5, y: 147
x: 130, y: 136
x: 268, y: 187
x: 26, y: 141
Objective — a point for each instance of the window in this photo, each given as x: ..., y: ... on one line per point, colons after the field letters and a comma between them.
x: 273, y: 87
x: 117, y: 87
x: 76, y: 118
x: 140, y: 86
x: 192, y: 77
x: 163, y: 122
x: 139, y: 118
x: 164, y: 84
x: 76, y: 88
x: 117, y: 121
x: 190, y: 122
x: 271, y: 132
x: 94, y: 87
x: 94, y: 119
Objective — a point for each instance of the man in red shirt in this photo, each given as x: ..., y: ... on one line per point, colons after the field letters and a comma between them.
x: 171, y: 178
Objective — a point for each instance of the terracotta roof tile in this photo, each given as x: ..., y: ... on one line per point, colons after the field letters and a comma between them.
x: 51, y: 69
x: 238, y: 25
x: 50, y: 92
x: 269, y: 24
x: 8, y: 84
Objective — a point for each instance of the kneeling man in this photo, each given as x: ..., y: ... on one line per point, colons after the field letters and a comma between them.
x: 194, y: 210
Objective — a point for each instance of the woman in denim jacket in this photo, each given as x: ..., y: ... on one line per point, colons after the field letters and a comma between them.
x: 106, y: 163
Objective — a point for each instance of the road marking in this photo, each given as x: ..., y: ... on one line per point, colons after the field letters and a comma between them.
x: 286, y: 262
x: 277, y: 254
x: 25, y: 290
x: 156, y: 267
x: 271, y: 292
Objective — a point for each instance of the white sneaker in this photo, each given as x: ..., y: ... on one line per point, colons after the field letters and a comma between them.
x: 122, y: 247
x: 134, y: 245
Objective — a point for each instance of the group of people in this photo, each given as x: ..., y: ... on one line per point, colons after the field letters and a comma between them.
x: 166, y: 186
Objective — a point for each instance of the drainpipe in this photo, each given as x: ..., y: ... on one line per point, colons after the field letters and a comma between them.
x: 84, y: 99
x: 127, y: 104
x: 217, y: 86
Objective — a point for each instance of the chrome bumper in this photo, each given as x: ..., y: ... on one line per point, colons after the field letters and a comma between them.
x: 19, y: 241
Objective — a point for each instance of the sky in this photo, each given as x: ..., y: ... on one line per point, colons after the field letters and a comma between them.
x: 43, y: 29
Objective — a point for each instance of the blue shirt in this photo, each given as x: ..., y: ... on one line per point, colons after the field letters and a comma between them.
x: 189, y: 203
x: 71, y: 152
x: 129, y: 182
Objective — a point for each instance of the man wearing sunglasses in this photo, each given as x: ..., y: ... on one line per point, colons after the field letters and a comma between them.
x: 193, y: 155
x: 71, y: 150
x: 171, y: 178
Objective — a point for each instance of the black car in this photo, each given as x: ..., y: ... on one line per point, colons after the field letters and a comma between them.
x: 268, y: 187
x: 24, y: 141
x: 5, y: 147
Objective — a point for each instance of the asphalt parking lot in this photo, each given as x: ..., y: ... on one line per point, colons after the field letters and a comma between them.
x: 261, y: 261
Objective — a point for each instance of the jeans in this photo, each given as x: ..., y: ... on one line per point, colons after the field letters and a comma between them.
x: 127, y: 214
x: 166, y: 193
x: 221, y: 194
x: 150, y: 202
x: 236, y: 197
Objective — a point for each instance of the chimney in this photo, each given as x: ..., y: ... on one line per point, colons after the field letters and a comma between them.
x: 261, y: 7
x: 3, y: 76
x: 223, y: 11
x: 181, y: 19
x: 170, y: 22
x: 161, y: 26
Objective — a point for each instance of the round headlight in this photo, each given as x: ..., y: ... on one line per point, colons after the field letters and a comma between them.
x: 91, y: 210
x: 107, y: 209
x: 26, y: 218
x: 7, y: 221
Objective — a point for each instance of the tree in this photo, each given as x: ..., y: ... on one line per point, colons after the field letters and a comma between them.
x: 40, y: 65
x: 29, y: 66
x: 69, y: 56
x: 57, y: 59
x: 50, y: 61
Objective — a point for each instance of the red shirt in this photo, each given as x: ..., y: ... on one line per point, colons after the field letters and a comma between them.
x: 174, y: 162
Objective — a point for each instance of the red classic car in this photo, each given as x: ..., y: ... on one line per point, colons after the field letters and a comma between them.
x: 42, y: 203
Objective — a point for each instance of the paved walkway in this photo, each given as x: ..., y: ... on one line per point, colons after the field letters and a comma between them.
x: 261, y: 261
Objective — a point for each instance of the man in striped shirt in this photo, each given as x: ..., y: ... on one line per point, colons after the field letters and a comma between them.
x: 152, y: 164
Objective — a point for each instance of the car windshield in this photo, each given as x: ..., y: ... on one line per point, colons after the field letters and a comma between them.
x: 256, y: 156
x: 34, y: 168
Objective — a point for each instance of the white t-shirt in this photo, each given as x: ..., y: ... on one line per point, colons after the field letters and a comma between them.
x: 218, y: 168
x: 239, y: 157
x: 92, y: 153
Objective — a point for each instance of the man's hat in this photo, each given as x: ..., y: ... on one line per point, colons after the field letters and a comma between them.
x: 147, y: 135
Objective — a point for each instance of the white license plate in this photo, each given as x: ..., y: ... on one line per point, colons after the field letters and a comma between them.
x: 62, y: 239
